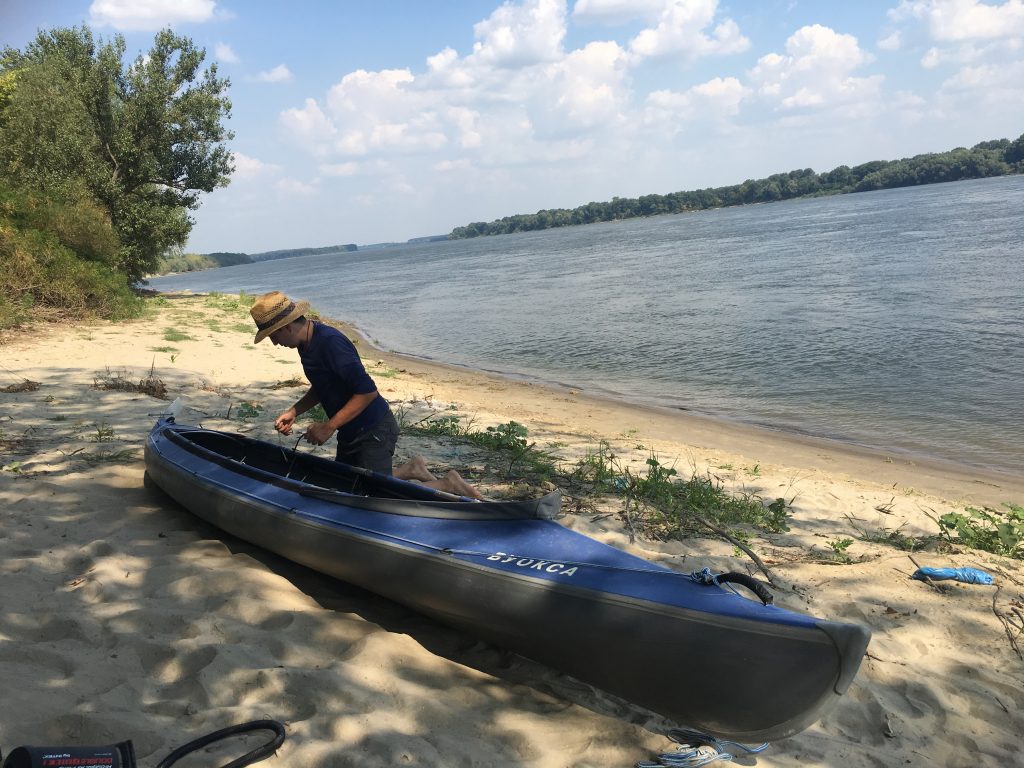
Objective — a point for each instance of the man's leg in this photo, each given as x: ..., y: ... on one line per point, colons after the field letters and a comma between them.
x: 415, y: 469
x: 453, y: 482
x: 374, y: 449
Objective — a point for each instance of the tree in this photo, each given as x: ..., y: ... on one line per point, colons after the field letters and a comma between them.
x: 143, y: 140
x: 1014, y: 152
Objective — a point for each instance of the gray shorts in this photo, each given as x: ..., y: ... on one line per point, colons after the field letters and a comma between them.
x: 373, y: 448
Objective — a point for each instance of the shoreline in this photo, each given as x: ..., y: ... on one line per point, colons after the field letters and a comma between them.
x: 154, y: 625
x: 899, y: 469
x: 996, y: 475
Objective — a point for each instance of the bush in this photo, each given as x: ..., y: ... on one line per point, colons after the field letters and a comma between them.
x: 990, y: 530
x: 58, y: 261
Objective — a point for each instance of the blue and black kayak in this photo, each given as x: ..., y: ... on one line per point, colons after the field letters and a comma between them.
x: 698, y: 653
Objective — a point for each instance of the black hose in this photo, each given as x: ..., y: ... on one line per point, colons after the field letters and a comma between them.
x: 755, y: 586
x: 260, y: 753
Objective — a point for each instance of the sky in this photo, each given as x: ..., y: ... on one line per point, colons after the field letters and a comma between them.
x: 380, y: 121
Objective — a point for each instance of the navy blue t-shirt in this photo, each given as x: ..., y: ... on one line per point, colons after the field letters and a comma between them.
x: 336, y: 373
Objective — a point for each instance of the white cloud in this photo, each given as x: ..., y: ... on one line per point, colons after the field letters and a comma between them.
x: 308, y: 124
x: 279, y: 74
x: 224, y: 52
x: 250, y: 167
x: 816, y: 71
x: 294, y: 188
x: 616, y: 11
x: 401, y: 186
x: 340, y: 169
x: 446, y: 166
x: 518, y: 98
x: 891, y: 42
x: 518, y: 35
x: 716, y: 99
x: 931, y: 59
x: 587, y: 88
x: 377, y: 93
x: 418, y: 135
x: 444, y: 70
x: 136, y: 15
x: 379, y: 113
x: 970, y: 78
x: 465, y: 122
x: 682, y: 29
x: 960, y: 20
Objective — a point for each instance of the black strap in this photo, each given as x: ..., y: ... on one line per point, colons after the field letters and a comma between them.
x: 757, y: 587
x: 260, y: 753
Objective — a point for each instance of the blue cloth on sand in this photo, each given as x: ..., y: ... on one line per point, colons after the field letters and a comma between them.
x: 966, y: 575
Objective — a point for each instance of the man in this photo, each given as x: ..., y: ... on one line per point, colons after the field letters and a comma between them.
x: 367, y: 430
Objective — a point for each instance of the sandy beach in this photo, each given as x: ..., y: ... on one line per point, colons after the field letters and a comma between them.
x: 125, y: 617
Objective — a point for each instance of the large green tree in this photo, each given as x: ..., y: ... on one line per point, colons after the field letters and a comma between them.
x: 144, y: 139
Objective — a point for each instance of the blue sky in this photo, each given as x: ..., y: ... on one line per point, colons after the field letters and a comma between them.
x: 365, y: 122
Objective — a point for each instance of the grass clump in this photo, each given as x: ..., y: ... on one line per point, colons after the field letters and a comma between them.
x: 121, y: 381
x: 294, y: 381
x: 123, y: 456
x: 25, y: 385
x: 249, y: 410
x: 894, y: 538
x: 508, y: 440
x: 228, y: 303
x: 839, y: 553
x: 662, y: 504
x: 173, y: 334
x: 674, y: 506
x: 104, y: 434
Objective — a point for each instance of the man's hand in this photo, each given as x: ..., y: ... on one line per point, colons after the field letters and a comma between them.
x: 319, y: 433
x: 285, y: 421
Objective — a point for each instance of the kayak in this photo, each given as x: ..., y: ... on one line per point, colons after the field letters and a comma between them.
x: 688, y: 647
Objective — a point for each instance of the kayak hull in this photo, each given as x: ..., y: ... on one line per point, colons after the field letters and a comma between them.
x: 696, y: 654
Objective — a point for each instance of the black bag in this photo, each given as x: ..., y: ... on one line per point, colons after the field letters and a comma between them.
x: 121, y: 755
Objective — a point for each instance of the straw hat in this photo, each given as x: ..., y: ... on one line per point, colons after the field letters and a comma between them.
x: 275, y: 310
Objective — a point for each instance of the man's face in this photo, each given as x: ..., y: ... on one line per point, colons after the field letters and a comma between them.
x: 288, y: 336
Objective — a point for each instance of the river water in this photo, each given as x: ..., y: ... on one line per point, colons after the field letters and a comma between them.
x: 891, y: 319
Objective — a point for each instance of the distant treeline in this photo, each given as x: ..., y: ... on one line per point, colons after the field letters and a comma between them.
x: 1000, y: 157
x: 195, y: 262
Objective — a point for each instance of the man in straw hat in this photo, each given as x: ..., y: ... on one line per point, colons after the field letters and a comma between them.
x: 366, y: 428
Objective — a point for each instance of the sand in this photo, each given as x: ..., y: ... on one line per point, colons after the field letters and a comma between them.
x: 123, y: 616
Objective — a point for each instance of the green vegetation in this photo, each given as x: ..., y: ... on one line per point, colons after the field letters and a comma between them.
x: 178, y: 261
x: 100, y: 163
x: 990, y: 530
x: 247, y: 410
x: 122, y: 381
x: 989, y: 158
x: 655, y: 500
x: 892, y: 538
x: 104, y: 434
x: 839, y: 547
x: 316, y: 413
x: 59, y: 260
x: 508, y: 440
x: 123, y: 456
